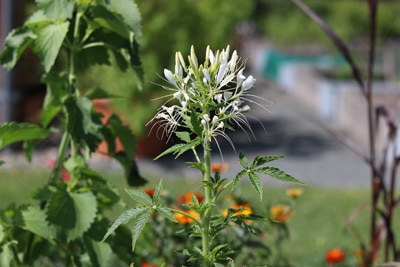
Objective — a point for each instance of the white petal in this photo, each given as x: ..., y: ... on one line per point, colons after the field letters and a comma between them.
x: 221, y: 72
x: 168, y: 74
x: 248, y: 83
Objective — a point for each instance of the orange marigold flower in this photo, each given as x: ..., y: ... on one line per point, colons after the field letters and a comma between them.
x: 294, y: 192
x: 183, y: 219
x: 281, y: 213
x: 334, y: 255
x: 216, y: 167
x: 187, y: 198
x: 150, y: 191
x: 243, y: 209
x: 146, y: 264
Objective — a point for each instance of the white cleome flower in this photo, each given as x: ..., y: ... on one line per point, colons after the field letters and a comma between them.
x: 216, y: 86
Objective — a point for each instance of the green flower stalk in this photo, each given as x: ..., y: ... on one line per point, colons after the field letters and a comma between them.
x: 206, y: 98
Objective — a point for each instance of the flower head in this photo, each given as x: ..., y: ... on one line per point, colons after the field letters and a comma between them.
x: 335, y: 255
x: 216, y: 167
x: 281, y: 213
x: 209, y: 95
x: 183, y: 219
x: 187, y: 198
x: 294, y: 192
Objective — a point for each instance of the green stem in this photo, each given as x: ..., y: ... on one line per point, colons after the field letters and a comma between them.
x: 208, y: 201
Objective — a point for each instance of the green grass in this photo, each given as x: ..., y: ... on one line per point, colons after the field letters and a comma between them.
x: 318, y: 225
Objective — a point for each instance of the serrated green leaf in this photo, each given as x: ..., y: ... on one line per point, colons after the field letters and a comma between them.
x: 173, y: 149
x: 157, y: 192
x: 138, y: 225
x: 57, y: 9
x: 256, y: 183
x: 15, y: 44
x: 165, y: 211
x: 86, y: 209
x: 100, y: 253
x: 184, y: 136
x: 194, y: 143
x: 61, y: 210
x: 16, y: 132
x: 260, y: 160
x: 128, y: 12
x: 109, y: 20
x: 139, y: 196
x: 124, y: 218
x: 34, y: 220
x: 132, y: 174
x: 243, y: 160
x: 49, y: 41
x: 29, y: 147
x: 124, y: 134
x: 278, y: 174
x: 237, y: 178
x: 195, y: 123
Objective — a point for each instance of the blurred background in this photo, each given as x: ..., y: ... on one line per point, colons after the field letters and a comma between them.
x: 282, y: 45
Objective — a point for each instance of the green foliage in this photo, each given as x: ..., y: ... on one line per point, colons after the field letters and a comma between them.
x: 69, y: 217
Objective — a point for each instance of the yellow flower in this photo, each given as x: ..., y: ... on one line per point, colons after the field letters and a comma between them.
x: 242, y: 209
x: 281, y: 213
x: 183, y: 219
x: 294, y: 192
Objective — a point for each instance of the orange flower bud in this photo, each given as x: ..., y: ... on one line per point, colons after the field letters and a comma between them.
x: 294, y: 192
x: 187, y: 198
x: 216, y: 167
x: 334, y: 255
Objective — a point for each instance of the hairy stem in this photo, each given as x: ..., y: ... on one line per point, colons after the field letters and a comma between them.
x: 208, y: 201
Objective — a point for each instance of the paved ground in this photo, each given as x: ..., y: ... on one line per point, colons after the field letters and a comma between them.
x: 311, y: 154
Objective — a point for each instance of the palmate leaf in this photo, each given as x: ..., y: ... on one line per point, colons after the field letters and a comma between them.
x: 16, y: 132
x: 139, y: 196
x: 171, y: 150
x: 166, y: 212
x: 138, y: 225
x: 49, y: 41
x: 261, y: 160
x: 126, y: 216
x: 256, y: 183
x: 278, y: 174
x: 15, y: 44
x: 243, y: 160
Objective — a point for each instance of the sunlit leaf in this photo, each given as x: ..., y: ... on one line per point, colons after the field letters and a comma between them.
x: 165, y: 211
x: 15, y: 132
x: 256, y: 182
x: 138, y: 225
x: 278, y: 174
x: 243, y: 160
x: 184, y: 136
x: 124, y: 218
x: 260, y: 160
x: 49, y: 41
x: 15, y: 44
x: 35, y: 221
x: 129, y: 13
x: 139, y: 196
x: 57, y: 9
x: 85, y: 209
